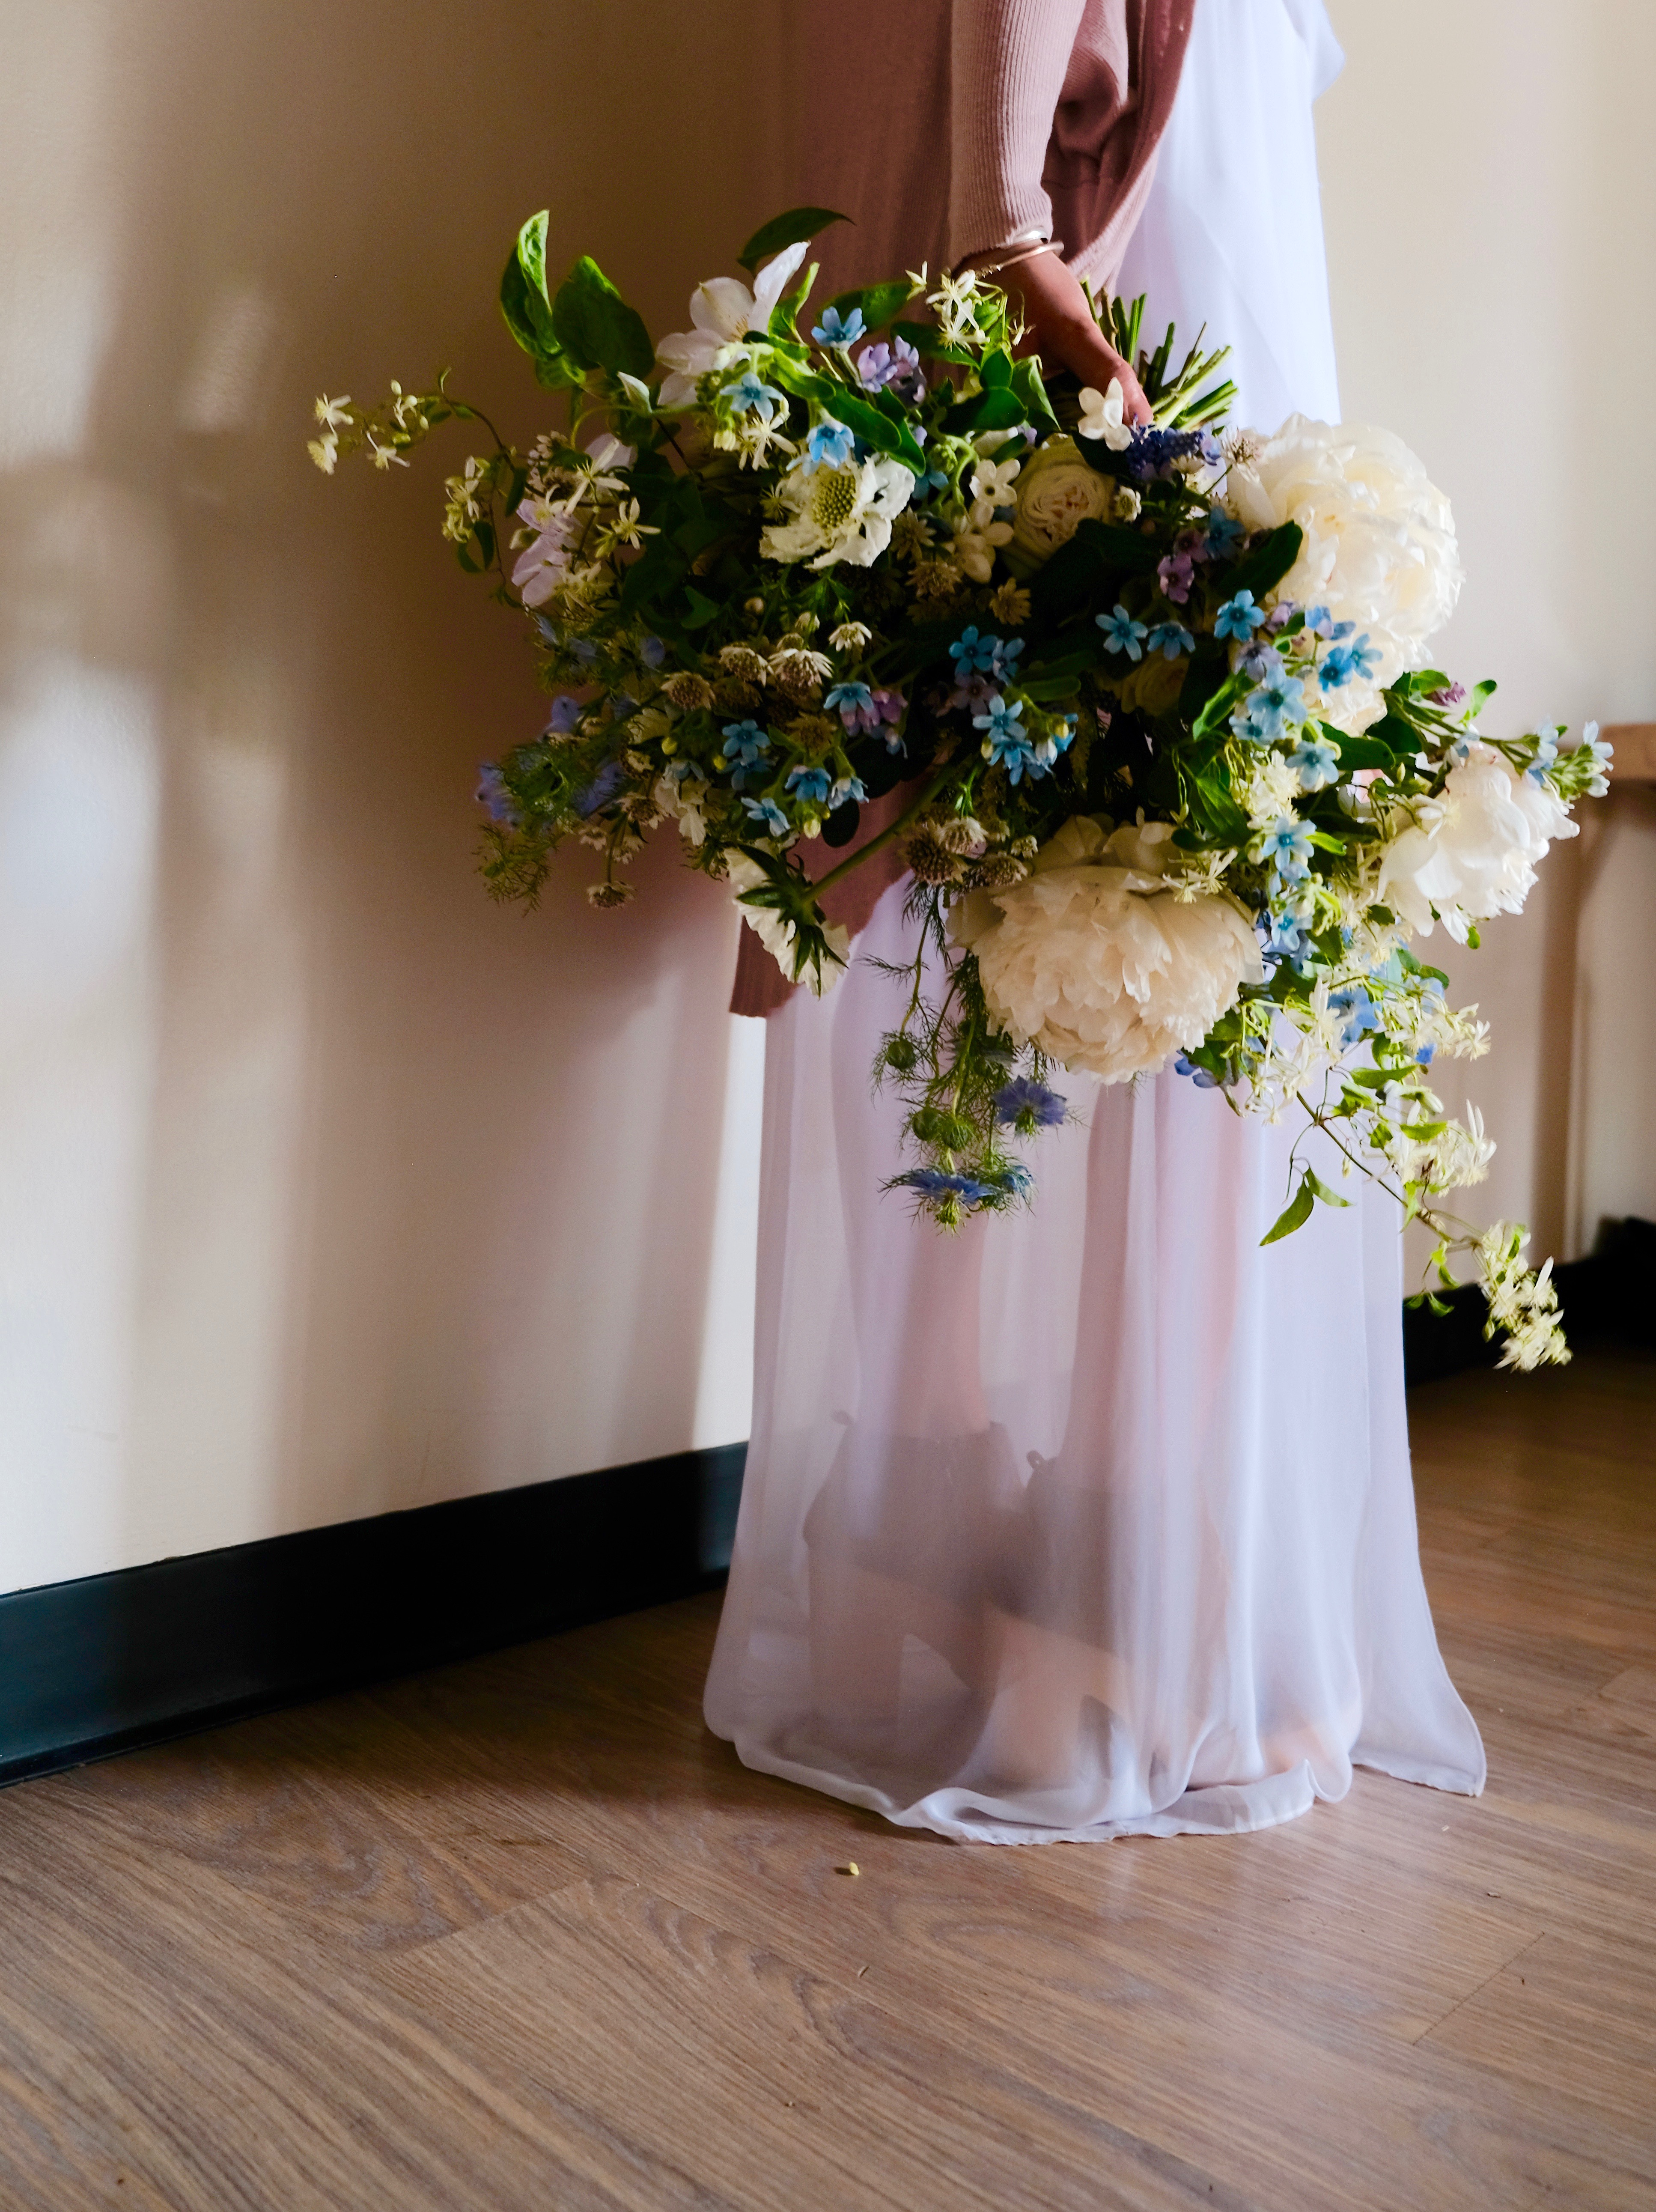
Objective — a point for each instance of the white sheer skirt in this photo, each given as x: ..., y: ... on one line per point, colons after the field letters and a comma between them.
x: 1095, y: 1520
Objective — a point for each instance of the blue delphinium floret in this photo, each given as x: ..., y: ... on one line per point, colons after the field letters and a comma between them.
x: 853, y: 703
x: 1198, y: 1075
x: 838, y: 329
x: 1023, y: 1097
x: 847, y: 788
x: 1357, y: 1011
x: 1122, y: 634
x: 1238, y: 617
x: 1546, y: 752
x: 1323, y: 624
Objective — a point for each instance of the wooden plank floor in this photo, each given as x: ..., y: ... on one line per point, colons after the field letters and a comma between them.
x: 520, y: 1935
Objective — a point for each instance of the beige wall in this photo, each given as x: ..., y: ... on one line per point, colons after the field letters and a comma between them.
x: 324, y: 1187
x: 1489, y: 195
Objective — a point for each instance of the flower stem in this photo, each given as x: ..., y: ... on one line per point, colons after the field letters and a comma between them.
x: 892, y: 830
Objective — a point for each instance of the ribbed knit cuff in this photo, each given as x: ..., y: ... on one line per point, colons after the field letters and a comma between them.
x: 1009, y: 59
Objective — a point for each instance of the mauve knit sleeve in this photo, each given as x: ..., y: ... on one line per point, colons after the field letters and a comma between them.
x: 1008, y: 62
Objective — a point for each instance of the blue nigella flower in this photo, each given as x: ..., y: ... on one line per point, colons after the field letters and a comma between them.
x: 653, y: 653
x: 1121, y: 633
x: 492, y: 794
x: 1170, y: 639
x: 1287, y: 846
x: 811, y: 785
x: 937, y: 1183
x: 565, y: 713
x: 1318, y: 763
x: 1359, y: 1011
x: 1342, y: 662
x: 1223, y: 532
x: 1238, y: 617
x: 1198, y: 1075
x: 838, y: 329
x: 830, y: 442
x: 1023, y: 1095
x: 972, y: 650
x: 749, y: 396
x: 1318, y: 620
x: 769, y: 815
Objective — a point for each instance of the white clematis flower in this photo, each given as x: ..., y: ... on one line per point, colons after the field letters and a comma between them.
x: 546, y: 561
x: 723, y: 311
x: 842, y: 513
x: 1474, y: 852
x: 1103, y: 415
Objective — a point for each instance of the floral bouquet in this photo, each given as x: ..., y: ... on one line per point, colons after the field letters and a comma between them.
x: 1145, y: 709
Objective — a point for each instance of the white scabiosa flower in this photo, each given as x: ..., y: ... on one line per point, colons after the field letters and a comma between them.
x: 842, y: 513
x: 1473, y: 853
x: 1379, y: 547
x: 1094, y: 959
x: 1058, y: 490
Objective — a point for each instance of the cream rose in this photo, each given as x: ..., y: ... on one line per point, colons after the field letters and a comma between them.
x: 1057, y: 490
x: 1379, y: 546
x: 1472, y: 853
x: 1095, y: 960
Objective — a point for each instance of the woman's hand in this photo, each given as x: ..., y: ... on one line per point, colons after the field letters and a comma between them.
x: 1062, y: 328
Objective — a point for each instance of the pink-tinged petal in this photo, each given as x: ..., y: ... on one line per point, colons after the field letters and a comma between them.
x: 722, y: 306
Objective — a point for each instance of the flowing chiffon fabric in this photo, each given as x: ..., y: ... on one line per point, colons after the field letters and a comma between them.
x: 1095, y: 1520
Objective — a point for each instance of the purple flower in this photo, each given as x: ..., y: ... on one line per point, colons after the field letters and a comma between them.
x: 896, y: 364
x: 1450, y: 696
x: 1174, y: 573
x: 492, y: 793
x: 602, y: 788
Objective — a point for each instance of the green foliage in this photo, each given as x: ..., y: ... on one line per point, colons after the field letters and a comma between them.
x: 785, y: 230
x: 595, y: 326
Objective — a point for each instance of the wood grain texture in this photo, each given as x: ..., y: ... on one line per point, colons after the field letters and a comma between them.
x: 520, y: 1933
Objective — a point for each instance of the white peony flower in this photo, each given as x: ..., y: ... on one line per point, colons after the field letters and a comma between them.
x: 842, y: 513
x: 1094, y: 958
x: 1473, y: 853
x: 723, y: 312
x: 1380, y: 543
x: 1057, y: 492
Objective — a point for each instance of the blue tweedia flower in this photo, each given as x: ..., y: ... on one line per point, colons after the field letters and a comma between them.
x: 847, y: 788
x: 492, y: 794
x: 747, y: 748
x: 1278, y: 703
x: 749, y: 396
x: 1238, y: 617
x: 1603, y: 752
x: 1342, y: 662
x: 1546, y: 752
x: 601, y: 789
x: 829, y: 443
x: 1319, y: 621
x: 1004, y: 665
x: 812, y: 785
x: 1004, y: 719
x: 852, y: 701
x: 973, y: 650
x: 1222, y: 533
x: 1285, y: 937
x: 838, y: 329
x: 1121, y: 633
x: 769, y: 815
x: 1317, y: 761
x: 1170, y: 639
x: 565, y: 713
x: 1024, y: 1096
x: 1287, y: 847
x: 1198, y: 1075
x: 1359, y: 1011
x: 653, y: 653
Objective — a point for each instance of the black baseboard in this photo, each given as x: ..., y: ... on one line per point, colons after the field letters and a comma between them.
x: 116, y: 1661
x: 1605, y: 1298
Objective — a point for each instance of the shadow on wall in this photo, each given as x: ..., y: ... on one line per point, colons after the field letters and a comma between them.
x: 325, y: 1187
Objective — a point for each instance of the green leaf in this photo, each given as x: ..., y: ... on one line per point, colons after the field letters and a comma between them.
x: 805, y: 383
x: 1230, y: 694
x: 1032, y: 393
x: 1321, y: 1189
x: 1000, y: 408
x: 523, y: 299
x: 789, y: 230
x: 1266, y: 564
x: 1294, y: 1215
x: 784, y: 315
x: 996, y: 370
x: 702, y: 609
x: 595, y: 326
x: 879, y: 302
x: 876, y: 429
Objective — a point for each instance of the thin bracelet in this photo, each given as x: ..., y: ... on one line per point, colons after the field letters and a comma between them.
x: 994, y: 266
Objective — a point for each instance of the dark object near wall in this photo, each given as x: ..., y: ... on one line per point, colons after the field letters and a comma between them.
x: 103, y: 1665
x: 1606, y: 1299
